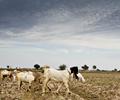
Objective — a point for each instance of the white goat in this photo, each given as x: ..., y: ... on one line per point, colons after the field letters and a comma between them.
x: 5, y: 73
x: 25, y: 77
x: 79, y: 77
x: 56, y: 75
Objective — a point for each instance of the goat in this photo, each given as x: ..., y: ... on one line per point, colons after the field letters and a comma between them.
x: 75, y: 74
x: 56, y: 75
x: 24, y: 77
x: 78, y: 77
x: 6, y: 73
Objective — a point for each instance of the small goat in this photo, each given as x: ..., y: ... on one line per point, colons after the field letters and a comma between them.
x: 6, y: 73
x: 24, y: 77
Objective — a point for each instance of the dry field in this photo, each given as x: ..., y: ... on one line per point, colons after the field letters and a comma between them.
x: 98, y: 86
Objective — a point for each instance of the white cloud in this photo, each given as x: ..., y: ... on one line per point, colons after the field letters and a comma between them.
x: 64, y: 27
x: 63, y: 50
x: 78, y: 51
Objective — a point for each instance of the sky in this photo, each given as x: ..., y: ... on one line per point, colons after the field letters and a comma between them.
x: 55, y: 32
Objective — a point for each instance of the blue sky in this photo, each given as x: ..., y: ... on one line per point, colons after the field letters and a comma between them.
x: 54, y: 32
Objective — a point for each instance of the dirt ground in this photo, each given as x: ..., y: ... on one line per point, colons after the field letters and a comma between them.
x: 98, y: 86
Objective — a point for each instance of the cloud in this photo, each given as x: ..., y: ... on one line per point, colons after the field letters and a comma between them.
x: 63, y: 51
x: 93, y: 24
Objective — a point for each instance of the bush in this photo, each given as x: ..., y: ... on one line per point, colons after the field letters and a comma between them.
x: 85, y: 67
x: 62, y: 67
x: 36, y: 66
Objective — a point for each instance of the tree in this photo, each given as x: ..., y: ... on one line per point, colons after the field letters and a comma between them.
x: 8, y: 66
x: 115, y: 70
x: 94, y: 67
x: 62, y: 67
x: 36, y: 66
x: 98, y: 69
x: 85, y: 67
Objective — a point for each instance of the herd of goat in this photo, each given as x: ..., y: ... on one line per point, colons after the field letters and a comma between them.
x: 62, y: 76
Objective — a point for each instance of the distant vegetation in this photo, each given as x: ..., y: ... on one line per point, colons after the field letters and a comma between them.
x: 62, y: 67
x: 36, y: 66
x: 94, y: 67
x: 85, y: 67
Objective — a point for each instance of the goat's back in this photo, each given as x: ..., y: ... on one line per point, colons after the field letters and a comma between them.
x: 56, y: 74
x: 25, y: 76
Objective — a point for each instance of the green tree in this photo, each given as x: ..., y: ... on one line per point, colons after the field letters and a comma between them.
x: 85, y: 67
x: 62, y: 67
x: 36, y: 66
x: 8, y: 66
x: 94, y: 67
x: 115, y: 70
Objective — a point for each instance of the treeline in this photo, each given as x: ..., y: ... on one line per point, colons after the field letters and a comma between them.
x: 61, y: 67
